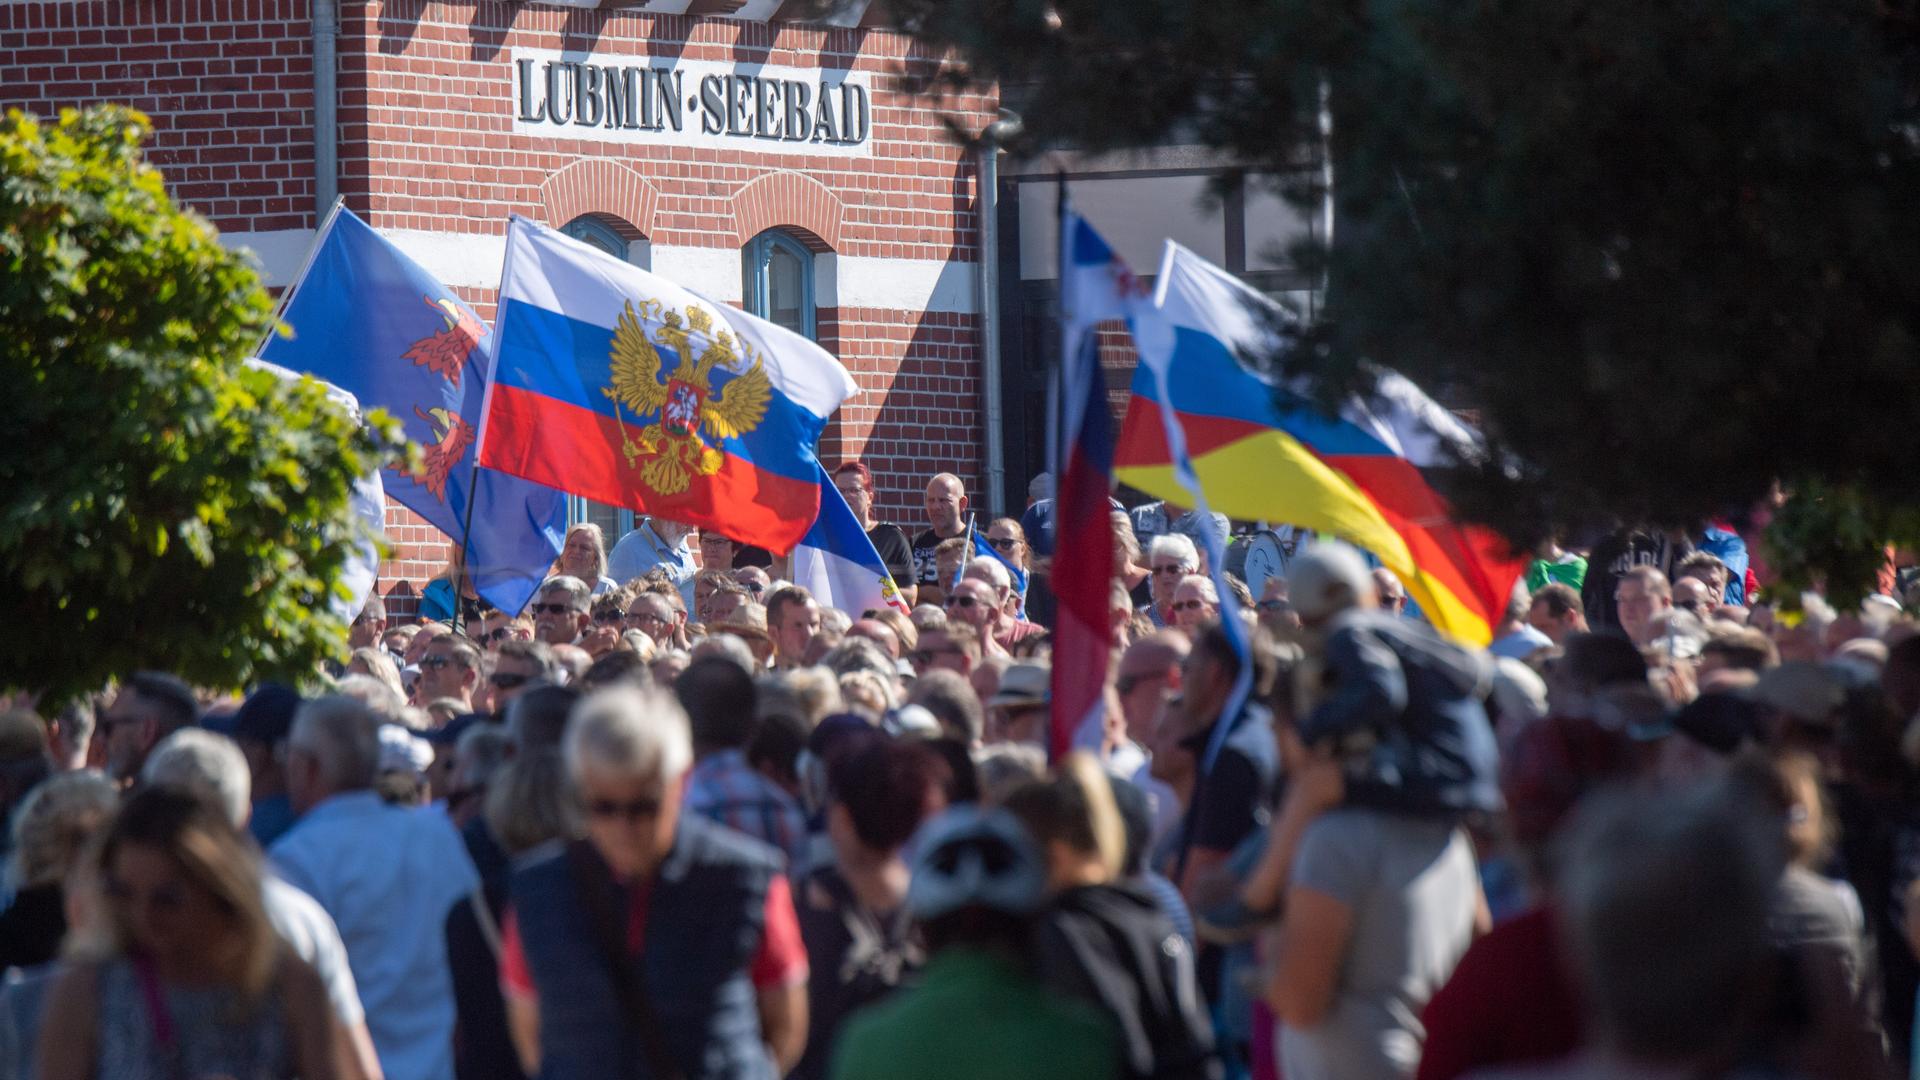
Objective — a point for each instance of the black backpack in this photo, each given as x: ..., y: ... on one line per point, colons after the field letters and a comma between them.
x: 1112, y: 945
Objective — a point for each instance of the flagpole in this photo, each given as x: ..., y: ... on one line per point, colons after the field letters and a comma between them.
x: 306, y: 263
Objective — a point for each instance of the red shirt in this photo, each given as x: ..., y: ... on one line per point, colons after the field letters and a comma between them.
x: 1509, y: 1002
x: 781, y: 960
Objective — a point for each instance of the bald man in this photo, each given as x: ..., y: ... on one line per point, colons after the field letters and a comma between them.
x: 1149, y: 674
x: 947, y: 518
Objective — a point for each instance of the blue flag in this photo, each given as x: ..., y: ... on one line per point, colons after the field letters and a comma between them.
x: 977, y: 546
x: 372, y: 322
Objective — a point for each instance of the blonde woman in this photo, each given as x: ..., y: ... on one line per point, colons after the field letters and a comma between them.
x: 584, y: 556
x: 189, y: 977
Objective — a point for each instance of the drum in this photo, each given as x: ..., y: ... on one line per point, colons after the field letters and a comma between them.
x: 1264, y: 554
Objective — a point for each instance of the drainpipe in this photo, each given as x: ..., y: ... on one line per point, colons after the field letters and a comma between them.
x: 326, y: 167
x: 1007, y: 127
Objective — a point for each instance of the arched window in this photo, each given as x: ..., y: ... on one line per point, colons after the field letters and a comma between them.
x: 615, y: 522
x: 779, y: 281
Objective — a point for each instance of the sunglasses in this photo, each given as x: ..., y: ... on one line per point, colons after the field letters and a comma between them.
x: 551, y: 609
x: 926, y: 656
x: 435, y: 663
x: 754, y: 587
x: 1126, y: 683
x: 1173, y: 568
x: 995, y: 856
x: 1004, y: 543
x: 1189, y: 605
x: 610, y: 616
x: 501, y: 634
x: 1274, y: 605
x: 636, y: 810
x: 961, y: 601
x: 507, y: 680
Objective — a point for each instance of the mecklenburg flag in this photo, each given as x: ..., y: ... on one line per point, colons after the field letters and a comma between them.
x: 838, y: 563
x: 625, y: 388
x: 1095, y: 286
x: 1265, y: 453
x: 370, y: 321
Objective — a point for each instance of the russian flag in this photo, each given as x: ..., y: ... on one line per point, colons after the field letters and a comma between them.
x: 838, y: 564
x: 619, y: 386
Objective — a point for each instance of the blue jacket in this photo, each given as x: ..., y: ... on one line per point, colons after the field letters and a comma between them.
x: 703, y: 926
x: 1405, y: 708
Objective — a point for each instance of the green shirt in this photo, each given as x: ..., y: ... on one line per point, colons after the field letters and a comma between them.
x: 1570, y: 570
x: 976, y: 1015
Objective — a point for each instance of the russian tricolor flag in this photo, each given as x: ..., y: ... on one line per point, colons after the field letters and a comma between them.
x: 619, y: 386
x: 838, y: 564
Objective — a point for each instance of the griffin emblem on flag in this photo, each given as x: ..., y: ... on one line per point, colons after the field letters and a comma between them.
x: 452, y: 437
x: 687, y: 402
x: 445, y: 352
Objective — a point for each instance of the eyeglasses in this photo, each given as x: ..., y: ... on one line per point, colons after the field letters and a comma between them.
x: 551, y: 609
x: 1004, y: 543
x: 1126, y: 683
x: 637, y: 615
x: 1172, y: 568
x: 507, y: 680
x: 1189, y: 605
x: 612, y: 615
x: 632, y: 811
x: 961, y: 601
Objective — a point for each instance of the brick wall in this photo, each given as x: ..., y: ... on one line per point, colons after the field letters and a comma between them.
x: 227, y: 83
x: 427, y: 145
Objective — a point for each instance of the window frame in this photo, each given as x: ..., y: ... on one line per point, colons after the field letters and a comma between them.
x: 756, y: 288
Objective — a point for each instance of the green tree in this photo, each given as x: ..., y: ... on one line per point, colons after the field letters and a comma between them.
x: 161, y: 504
x: 1666, y: 249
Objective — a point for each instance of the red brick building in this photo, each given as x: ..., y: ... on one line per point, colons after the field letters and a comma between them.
x: 674, y: 140
x: 789, y: 168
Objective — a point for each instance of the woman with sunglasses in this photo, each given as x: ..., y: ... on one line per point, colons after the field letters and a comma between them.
x: 188, y: 977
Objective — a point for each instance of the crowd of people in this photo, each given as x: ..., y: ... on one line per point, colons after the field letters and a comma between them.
x: 679, y: 820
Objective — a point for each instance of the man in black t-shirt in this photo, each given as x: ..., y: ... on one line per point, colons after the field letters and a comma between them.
x: 946, y: 512
x: 855, y: 482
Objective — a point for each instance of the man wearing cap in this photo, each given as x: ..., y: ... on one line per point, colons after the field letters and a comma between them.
x: 748, y: 622
x: 1017, y: 712
x: 977, y: 880
x: 1399, y: 703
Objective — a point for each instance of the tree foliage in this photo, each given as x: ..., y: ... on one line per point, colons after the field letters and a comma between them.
x: 161, y: 504
x: 1666, y: 249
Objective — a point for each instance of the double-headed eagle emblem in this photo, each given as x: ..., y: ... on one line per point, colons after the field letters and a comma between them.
x: 687, y: 402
